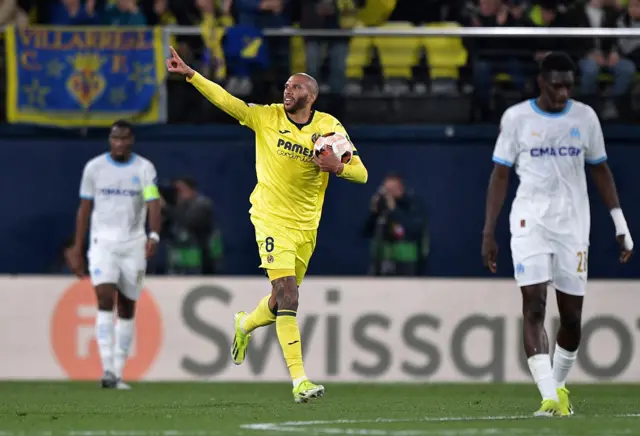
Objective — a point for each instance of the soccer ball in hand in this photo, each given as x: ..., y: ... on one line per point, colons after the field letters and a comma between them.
x: 336, y: 143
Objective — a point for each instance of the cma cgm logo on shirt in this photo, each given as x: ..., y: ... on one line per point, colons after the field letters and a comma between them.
x: 555, y: 151
x: 120, y: 192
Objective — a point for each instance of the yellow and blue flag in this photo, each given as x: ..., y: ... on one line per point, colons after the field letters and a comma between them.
x: 245, y: 49
x: 85, y: 77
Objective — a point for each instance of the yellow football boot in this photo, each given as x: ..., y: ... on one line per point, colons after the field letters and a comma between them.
x: 306, y: 391
x: 548, y: 409
x: 566, y: 408
x: 240, y: 340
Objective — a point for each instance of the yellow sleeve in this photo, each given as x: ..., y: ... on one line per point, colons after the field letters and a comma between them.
x: 354, y: 171
x: 217, y: 95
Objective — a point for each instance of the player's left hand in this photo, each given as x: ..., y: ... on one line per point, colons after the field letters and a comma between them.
x: 329, y: 163
x: 151, y: 248
x: 625, y: 255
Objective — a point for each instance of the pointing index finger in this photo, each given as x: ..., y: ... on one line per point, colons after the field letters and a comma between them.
x: 174, y: 54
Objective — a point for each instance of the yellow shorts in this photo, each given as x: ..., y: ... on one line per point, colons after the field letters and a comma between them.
x: 284, y: 248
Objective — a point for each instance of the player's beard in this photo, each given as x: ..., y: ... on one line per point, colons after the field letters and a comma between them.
x: 121, y: 153
x: 300, y: 103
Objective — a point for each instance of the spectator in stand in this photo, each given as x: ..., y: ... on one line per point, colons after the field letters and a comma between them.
x: 551, y: 13
x: 74, y: 13
x: 269, y: 14
x: 629, y: 47
x: 12, y: 13
x: 398, y: 230
x: 215, y: 20
x: 124, y: 13
x: 158, y: 13
x: 495, y: 55
x: 328, y: 14
x: 601, y: 54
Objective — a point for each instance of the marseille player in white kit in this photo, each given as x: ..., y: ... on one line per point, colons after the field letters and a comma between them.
x: 116, y: 189
x: 548, y: 140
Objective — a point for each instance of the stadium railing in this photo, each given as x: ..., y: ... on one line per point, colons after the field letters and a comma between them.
x: 413, y: 73
x: 425, y: 73
x: 427, y: 30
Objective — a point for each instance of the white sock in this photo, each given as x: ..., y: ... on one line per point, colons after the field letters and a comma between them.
x: 124, y: 337
x: 562, y: 363
x: 540, y: 367
x: 297, y: 381
x: 104, y: 338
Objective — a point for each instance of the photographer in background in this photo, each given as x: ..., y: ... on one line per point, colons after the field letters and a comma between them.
x: 193, y: 243
x: 397, y: 228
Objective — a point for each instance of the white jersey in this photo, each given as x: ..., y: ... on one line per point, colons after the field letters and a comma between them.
x: 118, y: 193
x: 549, y: 151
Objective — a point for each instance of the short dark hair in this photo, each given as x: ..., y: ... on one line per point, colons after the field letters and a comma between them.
x: 557, y: 61
x: 394, y: 176
x: 187, y: 181
x: 123, y: 124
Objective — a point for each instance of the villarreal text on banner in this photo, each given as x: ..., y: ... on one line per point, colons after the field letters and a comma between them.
x: 85, y: 77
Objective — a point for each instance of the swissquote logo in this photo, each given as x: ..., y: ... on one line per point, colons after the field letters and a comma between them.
x: 73, y: 334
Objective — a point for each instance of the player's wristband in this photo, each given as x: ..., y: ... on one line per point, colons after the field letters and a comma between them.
x: 154, y: 236
x: 619, y: 221
x: 621, y: 227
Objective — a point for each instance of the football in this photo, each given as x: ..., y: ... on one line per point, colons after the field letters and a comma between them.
x: 336, y: 143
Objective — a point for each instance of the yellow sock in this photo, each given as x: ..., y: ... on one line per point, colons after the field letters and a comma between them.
x: 260, y: 317
x: 289, y: 337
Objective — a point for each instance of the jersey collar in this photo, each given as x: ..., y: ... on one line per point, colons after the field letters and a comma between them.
x: 539, y: 111
x: 121, y: 164
x: 298, y: 125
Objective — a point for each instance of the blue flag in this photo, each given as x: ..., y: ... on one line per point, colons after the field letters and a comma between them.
x: 85, y: 77
x: 245, y: 49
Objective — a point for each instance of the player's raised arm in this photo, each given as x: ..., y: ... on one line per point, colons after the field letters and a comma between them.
x: 215, y: 93
x: 504, y: 157
x: 596, y: 157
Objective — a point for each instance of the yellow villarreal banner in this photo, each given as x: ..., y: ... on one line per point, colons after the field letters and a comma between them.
x: 85, y: 77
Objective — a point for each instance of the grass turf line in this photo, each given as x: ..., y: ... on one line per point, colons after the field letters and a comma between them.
x: 245, y: 409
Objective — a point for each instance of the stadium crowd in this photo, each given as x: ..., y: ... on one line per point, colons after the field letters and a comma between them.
x: 484, y: 70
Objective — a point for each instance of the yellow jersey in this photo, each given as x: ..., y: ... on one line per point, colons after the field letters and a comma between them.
x: 291, y: 187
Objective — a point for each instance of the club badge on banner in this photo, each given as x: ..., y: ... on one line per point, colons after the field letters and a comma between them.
x: 352, y: 330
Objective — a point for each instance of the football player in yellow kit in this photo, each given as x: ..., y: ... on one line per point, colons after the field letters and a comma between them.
x: 286, y: 204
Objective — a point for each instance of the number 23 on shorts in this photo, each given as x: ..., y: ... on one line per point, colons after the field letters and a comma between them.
x: 582, y: 261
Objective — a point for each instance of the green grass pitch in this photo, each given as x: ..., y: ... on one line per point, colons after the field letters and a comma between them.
x: 257, y: 409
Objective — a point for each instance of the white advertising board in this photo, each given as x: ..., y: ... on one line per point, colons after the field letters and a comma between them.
x: 361, y: 329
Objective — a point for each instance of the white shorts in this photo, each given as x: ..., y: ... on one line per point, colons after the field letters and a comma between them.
x: 120, y: 263
x: 563, y: 265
